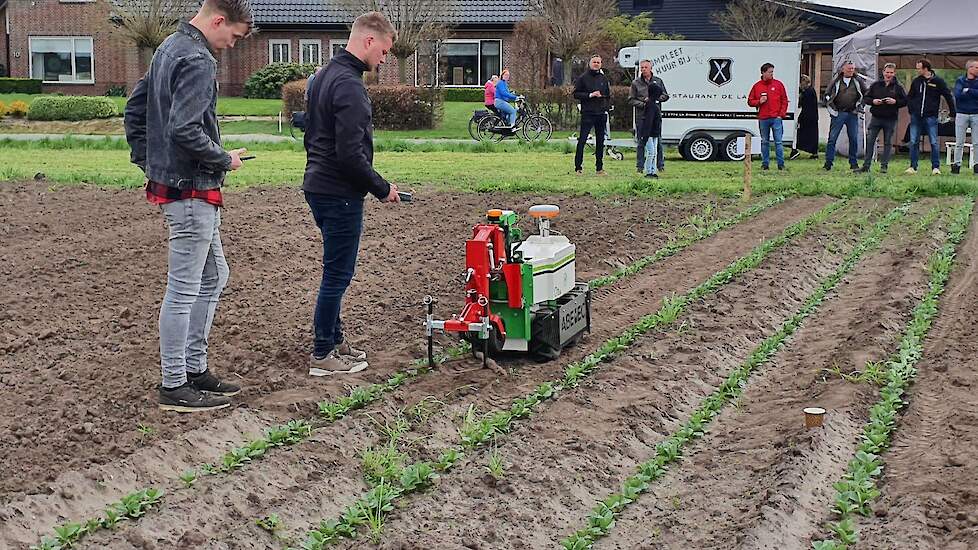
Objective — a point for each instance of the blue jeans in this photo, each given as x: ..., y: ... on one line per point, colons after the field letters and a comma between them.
x: 851, y: 122
x: 196, y: 276
x: 651, y: 155
x: 507, y: 110
x: 917, y: 124
x: 340, y: 221
x: 770, y: 126
x: 660, y: 161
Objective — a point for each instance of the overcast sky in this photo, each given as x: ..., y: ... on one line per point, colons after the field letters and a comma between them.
x: 882, y: 6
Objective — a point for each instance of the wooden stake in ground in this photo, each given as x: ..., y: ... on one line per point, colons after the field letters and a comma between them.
x: 747, y: 166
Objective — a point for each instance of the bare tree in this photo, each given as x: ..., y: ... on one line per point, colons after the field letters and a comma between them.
x: 574, y: 25
x: 414, y: 20
x: 147, y: 23
x: 531, y: 43
x: 763, y: 20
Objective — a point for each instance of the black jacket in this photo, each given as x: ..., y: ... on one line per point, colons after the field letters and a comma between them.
x: 592, y: 81
x: 171, y: 116
x: 652, y: 117
x: 924, y: 96
x: 339, y: 133
x: 879, y: 90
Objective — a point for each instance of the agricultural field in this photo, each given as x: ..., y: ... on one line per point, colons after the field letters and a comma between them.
x: 675, y: 423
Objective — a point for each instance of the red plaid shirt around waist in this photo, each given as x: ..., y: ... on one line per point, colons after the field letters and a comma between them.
x: 158, y: 193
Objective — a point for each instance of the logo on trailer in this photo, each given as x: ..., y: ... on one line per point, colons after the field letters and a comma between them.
x: 720, y: 70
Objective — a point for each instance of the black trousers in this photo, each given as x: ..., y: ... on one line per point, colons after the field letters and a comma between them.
x: 597, y: 122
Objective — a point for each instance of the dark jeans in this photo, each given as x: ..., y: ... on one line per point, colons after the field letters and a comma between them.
x: 920, y: 126
x: 340, y: 221
x: 597, y: 122
x: 851, y: 122
x: 876, y: 125
x: 660, y: 161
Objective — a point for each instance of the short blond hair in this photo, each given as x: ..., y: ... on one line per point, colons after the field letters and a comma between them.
x: 374, y: 22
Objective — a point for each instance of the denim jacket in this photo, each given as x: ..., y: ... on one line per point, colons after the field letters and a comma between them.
x: 171, y: 118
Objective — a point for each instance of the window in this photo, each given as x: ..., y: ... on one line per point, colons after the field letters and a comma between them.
x: 311, y: 51
x: 62, y: 59
x: 280, y: 51
x: 335, y: 46
x: 468, y: 62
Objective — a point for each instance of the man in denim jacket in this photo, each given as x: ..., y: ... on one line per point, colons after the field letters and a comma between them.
x: 171, y: 126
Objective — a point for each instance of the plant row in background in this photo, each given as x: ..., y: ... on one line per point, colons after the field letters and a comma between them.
x: 475, y: 432
x: 131, y: 506
x: 857, y: 488
x: 602, y: 517
x: 360, y: 397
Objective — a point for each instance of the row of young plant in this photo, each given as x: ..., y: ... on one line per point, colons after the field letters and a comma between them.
x: 857, y: 488
x: 478, y: 432
x: 602, y: 517
x: 360, y: 397
x: 131, y: 506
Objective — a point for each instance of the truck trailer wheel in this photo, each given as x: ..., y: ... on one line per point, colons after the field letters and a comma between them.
x: 728, y: 149
x: 700, y: 147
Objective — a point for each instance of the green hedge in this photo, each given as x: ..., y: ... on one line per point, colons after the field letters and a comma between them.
x: 72, y: 108
x: 470, y: 95
x: 267, y: 81
x: 20, y: 86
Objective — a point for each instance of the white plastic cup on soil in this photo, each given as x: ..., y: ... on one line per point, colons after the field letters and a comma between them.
x: 814, y: 417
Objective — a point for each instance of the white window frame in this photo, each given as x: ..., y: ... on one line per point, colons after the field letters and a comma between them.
x: 311, y: 41
x: 74, y: 68
x: 336, y: 42
x: 272, y: 42
x: 480, y: 78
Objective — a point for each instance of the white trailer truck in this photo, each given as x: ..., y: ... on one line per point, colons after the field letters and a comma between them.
x: 708, y: 83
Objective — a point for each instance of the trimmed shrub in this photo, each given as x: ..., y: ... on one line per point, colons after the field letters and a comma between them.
x: 18, y: 109
x: 470, y: 95
x: 72, y: 108
x: 406, y: 107
x: 267, y: 82
x: 557, y: 103
x: 20, y: 86
x: 3, y: 109
x: 294, y: 96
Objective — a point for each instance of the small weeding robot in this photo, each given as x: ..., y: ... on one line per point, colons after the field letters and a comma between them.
x: 520, y: 295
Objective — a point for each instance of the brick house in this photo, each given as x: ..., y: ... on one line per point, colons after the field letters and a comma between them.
x: 75, y: 48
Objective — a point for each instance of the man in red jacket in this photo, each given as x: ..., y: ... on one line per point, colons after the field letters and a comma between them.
x: 770, y: 99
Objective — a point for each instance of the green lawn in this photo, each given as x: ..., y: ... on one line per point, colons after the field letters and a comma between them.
x: 227, y: 106
x: 512, y: 169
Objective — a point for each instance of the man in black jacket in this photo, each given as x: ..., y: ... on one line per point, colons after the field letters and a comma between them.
x: 339, y: 174
x: 885, y: 99
x: 924, y: 102
x: 593, y: 90
x: 171, y: 126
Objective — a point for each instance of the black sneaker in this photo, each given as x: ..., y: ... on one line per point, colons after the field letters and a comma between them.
x: 883, y: 169
x: 795, y: 153
x: 652, y: 176
x: 864, y: 169
x: 976, y: 169
x: 187, y: 398
x: 780, y: 167
x: 827, y: 167
x: 955, y: 169
x: 209, y: 383
x: 765, y: 167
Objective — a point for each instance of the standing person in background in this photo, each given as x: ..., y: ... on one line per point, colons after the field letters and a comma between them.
x: 171, y: 126
x: 924, y: 102
x: 770, y: 99
x: 966, y: 104
x: 504, y: 96
x: 650, y: 131
x: 339, y: 174
x: 638, y: 98
x: 310, y: 79
x: 807, y: 139
x: 885, y: 99
x: 593, y: 90
x: 490, y: 93
x: 844, y: 99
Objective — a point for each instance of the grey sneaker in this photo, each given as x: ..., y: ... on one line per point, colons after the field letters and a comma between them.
x: 350, y: 351
x: 334, y: 363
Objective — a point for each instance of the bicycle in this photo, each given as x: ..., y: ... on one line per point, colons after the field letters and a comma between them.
x: 529, y: 126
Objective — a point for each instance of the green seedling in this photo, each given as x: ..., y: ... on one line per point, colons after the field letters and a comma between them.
x: 271, y: 523
x: 189, y: 477
x: 495, y: 467
x: 384, y: 463
x: 144, y: 429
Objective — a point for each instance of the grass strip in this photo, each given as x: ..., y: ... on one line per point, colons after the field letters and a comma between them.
x: 475, y: 433
x: 857, y: 488
x: 602, y: 517
x: 329, y: 411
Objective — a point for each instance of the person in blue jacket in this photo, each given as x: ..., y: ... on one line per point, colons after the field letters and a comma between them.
x: 504, y: 96
x: 966, y: 101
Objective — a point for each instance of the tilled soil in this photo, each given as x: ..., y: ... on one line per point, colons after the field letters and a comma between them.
x: 84, y: 271
x: 930, y: 479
